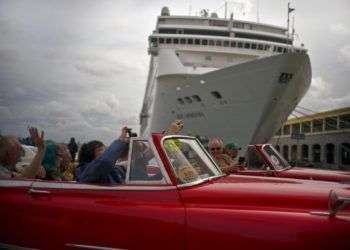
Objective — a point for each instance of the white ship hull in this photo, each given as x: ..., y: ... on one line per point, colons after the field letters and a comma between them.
x: 256, y: 98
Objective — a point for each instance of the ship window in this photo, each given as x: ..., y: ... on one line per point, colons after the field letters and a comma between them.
x: 197, y: 98
x: 190, y: 41
x: 188, y: 99
x: 211, y: 43
x: 247, y: 45
x: 218, y: 43
x: 233, y: 44
x: 176, y: 40
x: 179, y: 31
x: 260, y: 47
x: 168, y: 40
x: 267, y: 47
x: 317, y: 125
x: 253, y: 46
x: 331, y: 123
x: 274, y: 48
x: 344, y: 121
x: 226, y: 43
x: 154, y: 42
x: 216, y: 94
x: 286, y: 130
x: 161, y: 40
x: 183, y: 41
x: 197, y: 42
x: 298, y: 51
x: 205, y: 42
x: 284, y: 50
x: 240, y: 45
x: 279, y: 50
x: 181, y: 101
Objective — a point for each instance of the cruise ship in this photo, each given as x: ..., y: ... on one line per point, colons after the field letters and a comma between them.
x: 226, y: 78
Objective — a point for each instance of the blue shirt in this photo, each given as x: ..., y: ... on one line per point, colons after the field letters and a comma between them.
x: 103, y: 169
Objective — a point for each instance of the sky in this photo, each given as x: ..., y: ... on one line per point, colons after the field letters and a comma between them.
x: 78, y: 68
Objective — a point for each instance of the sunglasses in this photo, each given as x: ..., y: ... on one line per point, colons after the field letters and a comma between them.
x: 212, y: 149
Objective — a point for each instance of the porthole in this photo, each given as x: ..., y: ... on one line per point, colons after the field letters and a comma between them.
x: 226, y: 43
x: 205, y: 42
x: 253, y: 46
x: 211, y: 43
x: 161, y: 40
x: 188, y: 99
x: 180, y: 101
x: 197, y: 98
x: 247, y: 45
x: 260, y: 47
x: 176, y: 40
x: 197, y: 42
x: 168, y: 40
x: 240, y: 45
x: 190, y: 41
x: 183, y: 41
x: 233, y: 44
x: 216, y: 94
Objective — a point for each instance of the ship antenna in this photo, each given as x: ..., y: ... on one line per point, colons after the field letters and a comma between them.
x: 289, y: 11
x: 257, y: 11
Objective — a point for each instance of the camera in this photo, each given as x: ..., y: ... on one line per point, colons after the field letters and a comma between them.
x: 130, y: 133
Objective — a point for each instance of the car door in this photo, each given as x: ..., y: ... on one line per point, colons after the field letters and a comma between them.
x: 135, y: 215
x: 15, y: 225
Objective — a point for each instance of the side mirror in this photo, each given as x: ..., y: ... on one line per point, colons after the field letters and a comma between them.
x: 337, y: 203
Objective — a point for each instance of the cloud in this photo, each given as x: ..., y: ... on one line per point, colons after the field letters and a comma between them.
x: 344, y: 54
x: 339, y: 29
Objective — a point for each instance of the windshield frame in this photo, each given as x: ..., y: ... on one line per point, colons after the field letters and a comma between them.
x: 203, y: 149
x: 284, y: 161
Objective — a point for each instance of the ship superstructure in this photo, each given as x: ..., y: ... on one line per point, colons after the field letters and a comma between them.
x: 225, y: 78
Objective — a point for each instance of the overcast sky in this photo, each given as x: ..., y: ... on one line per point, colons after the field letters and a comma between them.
x: 79, y: 68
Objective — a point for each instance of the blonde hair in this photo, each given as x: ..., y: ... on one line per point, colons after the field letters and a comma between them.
x: 6, y: 142
x: 216, y: 141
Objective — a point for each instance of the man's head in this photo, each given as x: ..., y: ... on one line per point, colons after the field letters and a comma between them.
x: 232, y: 149
x: 216, y: 146
x: 10, y: 151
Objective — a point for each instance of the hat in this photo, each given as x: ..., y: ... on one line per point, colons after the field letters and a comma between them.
x: 232, y: 146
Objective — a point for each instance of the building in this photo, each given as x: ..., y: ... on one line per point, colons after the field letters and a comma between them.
x: 322, y: 139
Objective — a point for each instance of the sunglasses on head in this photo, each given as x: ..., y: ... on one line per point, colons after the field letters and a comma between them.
x: 212, y: 149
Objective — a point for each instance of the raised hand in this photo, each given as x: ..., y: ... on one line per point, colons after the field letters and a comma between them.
x: 37, y: 139
x: 124, y: 135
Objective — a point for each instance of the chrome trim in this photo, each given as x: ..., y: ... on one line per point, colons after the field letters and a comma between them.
x: 320, y: 213
x: 83, y: 186
x: 166, y: 180
x: 81, y: 246
x: 33, y: 191
x: 14, y: 247
x: 15, y: 183
x: 205, y: 151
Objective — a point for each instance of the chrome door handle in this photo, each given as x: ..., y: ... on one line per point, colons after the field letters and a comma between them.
x: 36, y: 191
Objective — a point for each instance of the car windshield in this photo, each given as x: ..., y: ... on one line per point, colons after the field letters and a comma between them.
x: 189, y: 160
x: 277, y: 160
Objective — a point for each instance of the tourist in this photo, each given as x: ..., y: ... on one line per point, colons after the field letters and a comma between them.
x: 216, y: 148
x: 97, y: 164
x: 73, y: 148
x: 231, y: 149
x: 10, y: 154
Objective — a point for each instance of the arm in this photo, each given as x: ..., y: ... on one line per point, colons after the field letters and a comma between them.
x: 35, y: 166
x: 103, y: 165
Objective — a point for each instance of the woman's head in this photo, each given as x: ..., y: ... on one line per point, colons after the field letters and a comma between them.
x: 216, y: 146
x: 91, y: 151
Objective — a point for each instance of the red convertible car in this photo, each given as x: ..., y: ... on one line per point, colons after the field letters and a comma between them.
x: 184, y: 203
x: 265, y: 160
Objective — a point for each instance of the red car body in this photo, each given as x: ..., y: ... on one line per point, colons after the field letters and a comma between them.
x: 269, y: 168
x: 220, y: 212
